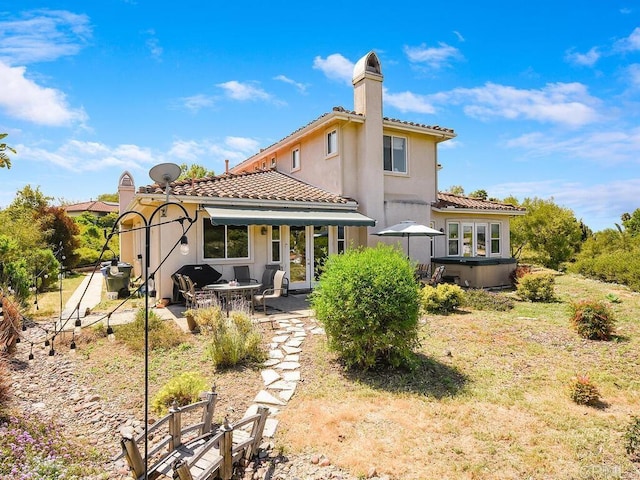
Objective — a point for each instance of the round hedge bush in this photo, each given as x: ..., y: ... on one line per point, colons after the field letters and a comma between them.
x: 367, y: 301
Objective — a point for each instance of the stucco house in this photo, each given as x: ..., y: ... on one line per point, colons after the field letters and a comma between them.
x: 326, y: 187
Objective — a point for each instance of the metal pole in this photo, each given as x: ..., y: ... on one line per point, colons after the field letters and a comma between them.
x: 147, y: 254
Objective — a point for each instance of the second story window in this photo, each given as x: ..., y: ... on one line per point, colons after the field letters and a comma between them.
x: 295, y: 159
x: 395, y: 154
x: 332, y: 142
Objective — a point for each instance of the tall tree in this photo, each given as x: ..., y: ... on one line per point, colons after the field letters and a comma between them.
x: 546, y: 234
x: 5, y: 161
x: 481, y: 194
x: 632, y: 222
x: 194, y: 171
x: 456, y: 190
x: 108, y: 197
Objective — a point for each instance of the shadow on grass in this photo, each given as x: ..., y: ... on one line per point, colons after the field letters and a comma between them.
x: 430, y: 378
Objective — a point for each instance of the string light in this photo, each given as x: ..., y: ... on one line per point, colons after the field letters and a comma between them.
x: 51, y: 350
x: 31, y: 353
x: 110, y: 335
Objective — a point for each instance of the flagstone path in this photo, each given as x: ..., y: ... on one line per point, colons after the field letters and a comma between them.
x: 281, y: 372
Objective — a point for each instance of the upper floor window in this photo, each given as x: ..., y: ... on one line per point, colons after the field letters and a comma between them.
x: 225, y: 241
x: 295, y: 159
x: 332, y: 142
x: 395, y: 154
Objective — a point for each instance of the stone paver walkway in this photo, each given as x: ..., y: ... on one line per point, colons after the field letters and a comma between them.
x: 281, y: 372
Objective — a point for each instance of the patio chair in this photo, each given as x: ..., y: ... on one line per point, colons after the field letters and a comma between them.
x: 436, y: 278
x: 270, y: 293
x: 183, y: 288
x: 423, y: 270
x: 198, y: 298
x: 241, y: 274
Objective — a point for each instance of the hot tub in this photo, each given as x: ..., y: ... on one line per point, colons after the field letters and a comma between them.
x: 477, y: 272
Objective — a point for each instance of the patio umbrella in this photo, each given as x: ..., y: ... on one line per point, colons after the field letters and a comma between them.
x: 408, y: 228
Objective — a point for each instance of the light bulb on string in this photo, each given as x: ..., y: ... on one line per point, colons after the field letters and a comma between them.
x: 31, y: 353
x: 113, y: 269
x: 72, y: 346
x: 77, y: 328
x: 184, y: 245
x: 52, y: 352
x: 110, y: 335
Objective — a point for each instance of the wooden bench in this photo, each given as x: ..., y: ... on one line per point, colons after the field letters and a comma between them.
x: 196, y: 451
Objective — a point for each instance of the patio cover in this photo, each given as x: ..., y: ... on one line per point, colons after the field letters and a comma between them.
x: 286, y: 216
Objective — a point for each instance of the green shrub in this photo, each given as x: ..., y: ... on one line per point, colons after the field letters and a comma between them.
x: 234, y: 340
x: 443, y: 298
x: 367, y: 301
x: 583, y: 392
x: 162, y: 335
x: 632, y: 439
x: 592, y: 320
x: 537, y: 287
x: 183, y: 389
x: 207, y: 318
x: 480, y: 299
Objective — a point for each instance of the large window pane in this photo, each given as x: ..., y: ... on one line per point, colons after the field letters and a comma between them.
x: 481, y: 241
x: 453, y: 235
x: 386, y: 142
x: 222, y: 241
x: 275, y: 244
x: 213, y: 240
x: 399, y: 155
x: 495, y: 238
x: 237, y: 242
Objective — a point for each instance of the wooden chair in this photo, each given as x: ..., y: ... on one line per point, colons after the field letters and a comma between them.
x: 423, y: 270
x: 198, y: 298
x: 269, y: 293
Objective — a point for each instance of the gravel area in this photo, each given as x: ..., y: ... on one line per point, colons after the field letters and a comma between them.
x: 57, y: 388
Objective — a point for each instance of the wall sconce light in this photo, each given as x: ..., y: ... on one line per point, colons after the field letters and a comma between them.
x: 263, y: 230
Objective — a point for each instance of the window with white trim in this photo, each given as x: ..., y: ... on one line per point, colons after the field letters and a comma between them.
x: 473, y: 239
x: 453, y: 239
x: 495, y: 238
x: 295, y: 159
x: 341, y: 239
x: 395, y: 154
x: 275, y: 244
x: 332, y: 142
x: 225, y: 241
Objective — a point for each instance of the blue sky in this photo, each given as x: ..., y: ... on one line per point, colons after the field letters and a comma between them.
x: 544, y: 96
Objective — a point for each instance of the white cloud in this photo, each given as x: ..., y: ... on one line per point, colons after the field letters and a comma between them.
x: 434, y: 57
x: 43, y: 35
x: 243, y: 91
x: 302, y: 87
x: 23, y: 99
x: 335, y: 67
x: 409, y: 102
x: 588, y: 59
x: 197, y: 102
x: 209, y: 153
x: 630, y: 43
x: 242, y: 144
x: 599, y: 205
x: 633, y: 72
x: 601, y: 146
x: 459, y: 36
x: 153, y: 44
x: 81, y: 156
x: 562, y: 103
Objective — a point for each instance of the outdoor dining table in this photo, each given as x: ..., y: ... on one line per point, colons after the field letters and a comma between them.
x: 229, y: 291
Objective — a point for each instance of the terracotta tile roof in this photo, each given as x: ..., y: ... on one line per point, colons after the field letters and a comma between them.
x: 257, y: 185
x: 92, y: 206
x: 457, y: 201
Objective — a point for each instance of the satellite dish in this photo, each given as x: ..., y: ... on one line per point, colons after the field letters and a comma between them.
x: 165, y: 173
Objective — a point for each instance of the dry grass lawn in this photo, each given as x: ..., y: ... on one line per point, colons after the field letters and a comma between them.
x: 489, y: 401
